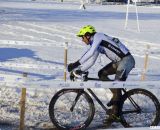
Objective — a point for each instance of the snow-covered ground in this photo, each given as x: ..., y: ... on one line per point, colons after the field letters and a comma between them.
x: 32, y: 37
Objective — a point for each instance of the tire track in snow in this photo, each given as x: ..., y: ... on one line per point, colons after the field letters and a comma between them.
x: 47, y: 32
x: 14, y: 32
x: 58, y: 29
x: 33, y: 43
x: 31, y: 66
x: 33, y: 33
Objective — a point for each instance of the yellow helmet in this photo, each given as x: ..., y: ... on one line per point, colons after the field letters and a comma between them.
x: 86, y: 29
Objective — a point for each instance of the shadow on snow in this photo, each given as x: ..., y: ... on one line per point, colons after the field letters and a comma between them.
x: 10, y: 54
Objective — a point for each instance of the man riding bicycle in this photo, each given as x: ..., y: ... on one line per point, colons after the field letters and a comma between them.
x: 122, y: 62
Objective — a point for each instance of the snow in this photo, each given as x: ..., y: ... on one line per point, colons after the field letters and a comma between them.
x: 32, y: 37
x: 142, y: 128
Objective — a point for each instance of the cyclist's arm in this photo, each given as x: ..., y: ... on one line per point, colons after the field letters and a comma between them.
x: 90, y: 62
x: 96, y: 41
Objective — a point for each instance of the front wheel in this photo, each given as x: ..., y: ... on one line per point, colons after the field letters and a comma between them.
x: 71, y: 109
x: 140, y: 108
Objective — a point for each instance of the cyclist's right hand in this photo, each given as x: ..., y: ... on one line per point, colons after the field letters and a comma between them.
x: 77, y: 74
x: 72, y: 66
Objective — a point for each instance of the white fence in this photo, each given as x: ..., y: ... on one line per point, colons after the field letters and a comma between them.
x: 12, y: 81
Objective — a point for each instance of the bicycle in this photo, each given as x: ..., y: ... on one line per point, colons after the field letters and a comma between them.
x: 74, y: 109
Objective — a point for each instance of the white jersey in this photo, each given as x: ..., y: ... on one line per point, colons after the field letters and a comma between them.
x: 104, y: 44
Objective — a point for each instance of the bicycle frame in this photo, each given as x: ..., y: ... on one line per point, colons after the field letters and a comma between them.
x: 93, y: 94
x: 105, y: 108
x: 98, y: 100
x: 137, y: 108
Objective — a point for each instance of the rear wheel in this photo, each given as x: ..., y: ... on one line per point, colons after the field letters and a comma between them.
x: 143, y: 111
x: 66, y: 114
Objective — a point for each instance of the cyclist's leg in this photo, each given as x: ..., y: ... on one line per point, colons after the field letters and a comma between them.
x: 123, y: 69
x: 103, y: 75
x: 109, y: 69
x: 115, y: 101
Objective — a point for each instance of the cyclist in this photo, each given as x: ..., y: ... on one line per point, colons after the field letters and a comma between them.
x: 121, y: 63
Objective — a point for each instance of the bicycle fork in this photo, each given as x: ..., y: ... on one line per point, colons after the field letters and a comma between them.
x: 76, y: 99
